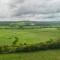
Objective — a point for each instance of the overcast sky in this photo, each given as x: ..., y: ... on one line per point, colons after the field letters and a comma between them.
x: 41, y: 10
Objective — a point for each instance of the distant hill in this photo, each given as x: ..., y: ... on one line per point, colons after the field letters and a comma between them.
x: 31, y: 23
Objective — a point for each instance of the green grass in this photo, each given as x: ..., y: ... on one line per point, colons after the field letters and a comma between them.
x: 42, y: 55
x: 29, y: 36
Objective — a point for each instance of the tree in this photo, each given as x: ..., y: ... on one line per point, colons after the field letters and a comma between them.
x: 15, y: 41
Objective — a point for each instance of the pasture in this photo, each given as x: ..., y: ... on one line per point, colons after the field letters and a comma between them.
x: 29, y: 36
x: 42, y: 55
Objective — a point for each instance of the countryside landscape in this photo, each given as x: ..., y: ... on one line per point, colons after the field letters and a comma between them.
x: 29, y: 29
x: 28, y: 40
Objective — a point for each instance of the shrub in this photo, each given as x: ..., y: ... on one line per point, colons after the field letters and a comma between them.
x: 30, y: 47
x: 15, y: 41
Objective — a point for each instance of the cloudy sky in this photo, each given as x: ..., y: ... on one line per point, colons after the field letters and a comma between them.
x: 38, y: 10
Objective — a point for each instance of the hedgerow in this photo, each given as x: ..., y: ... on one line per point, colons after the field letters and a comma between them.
x: 51, y: 44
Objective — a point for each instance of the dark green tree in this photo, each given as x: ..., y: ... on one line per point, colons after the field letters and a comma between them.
x: 15, y: 41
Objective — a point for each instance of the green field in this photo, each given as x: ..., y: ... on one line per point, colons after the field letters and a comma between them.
x: 42, y: 55
x: 30, y: 36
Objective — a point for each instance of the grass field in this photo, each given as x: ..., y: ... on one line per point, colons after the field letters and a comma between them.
x: 30, y: 36
x: 42, y: 55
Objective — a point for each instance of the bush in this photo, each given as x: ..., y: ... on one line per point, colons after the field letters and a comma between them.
x: 15, y: 41
x: 30, y: 47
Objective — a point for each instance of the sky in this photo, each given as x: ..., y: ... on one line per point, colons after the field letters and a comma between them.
x: 34, y: 10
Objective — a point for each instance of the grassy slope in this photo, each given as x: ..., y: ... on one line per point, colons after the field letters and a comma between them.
x: 28, y: 35
x: 42, y: 55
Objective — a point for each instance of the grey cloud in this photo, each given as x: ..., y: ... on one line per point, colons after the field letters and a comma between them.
x: 36, y: 7
x: 46, y: 8
x: 31, y: 9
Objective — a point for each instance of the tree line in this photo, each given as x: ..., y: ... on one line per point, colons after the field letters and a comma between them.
x: 51, y: 44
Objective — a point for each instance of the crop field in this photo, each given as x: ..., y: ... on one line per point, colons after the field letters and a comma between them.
x: 29, y: 36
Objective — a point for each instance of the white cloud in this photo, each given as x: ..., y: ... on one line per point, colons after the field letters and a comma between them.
x: 30, y: 9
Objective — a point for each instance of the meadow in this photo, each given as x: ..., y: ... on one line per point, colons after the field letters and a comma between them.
x: 30, y: 36
x: 41, y: 55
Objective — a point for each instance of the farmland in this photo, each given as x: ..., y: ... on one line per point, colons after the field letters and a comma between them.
x: 42, y: 55
x: 29, y: 35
